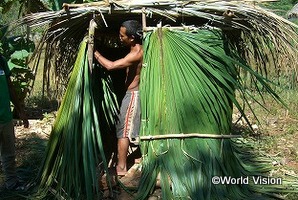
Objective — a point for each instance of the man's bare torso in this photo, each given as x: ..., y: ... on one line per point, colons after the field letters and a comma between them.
x: 133, y: 73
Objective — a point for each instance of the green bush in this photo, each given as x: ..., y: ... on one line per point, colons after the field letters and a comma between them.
x: 17, y: 50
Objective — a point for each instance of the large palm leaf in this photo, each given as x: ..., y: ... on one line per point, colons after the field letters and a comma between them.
x: 75, y: 146
x: 187, y: 89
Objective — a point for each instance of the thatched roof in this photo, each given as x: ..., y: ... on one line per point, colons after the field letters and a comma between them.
x: 293, y: 13
x: 231, y: 15
x: 256, y: 25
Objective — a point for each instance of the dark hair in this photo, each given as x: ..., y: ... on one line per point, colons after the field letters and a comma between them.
x: 133, y: 28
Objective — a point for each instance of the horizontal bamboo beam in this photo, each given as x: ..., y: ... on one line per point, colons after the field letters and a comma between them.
x: 183, y: 28
x: 81, y: 5
x: 153, y: 3
x: 188, y: 135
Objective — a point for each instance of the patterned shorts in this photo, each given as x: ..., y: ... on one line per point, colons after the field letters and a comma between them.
x: 129, y: 117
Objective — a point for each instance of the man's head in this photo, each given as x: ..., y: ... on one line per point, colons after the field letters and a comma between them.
x: 131, y: 32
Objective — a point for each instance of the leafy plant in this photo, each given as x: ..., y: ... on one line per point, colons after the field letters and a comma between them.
x: 17, y: 50
x: 21, y: 74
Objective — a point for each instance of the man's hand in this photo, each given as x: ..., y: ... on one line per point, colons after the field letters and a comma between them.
x: 96, y: 55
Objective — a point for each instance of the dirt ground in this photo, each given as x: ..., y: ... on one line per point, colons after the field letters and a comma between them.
x: 30, y: 147
x: 276, y: 138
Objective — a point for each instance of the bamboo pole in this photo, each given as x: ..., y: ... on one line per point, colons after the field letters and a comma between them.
x: 154, y: 3
x: 144, y: 23
x: 182, y: 28
x: 188, y: 135
x: 67, y: 6
x: 92, y: 26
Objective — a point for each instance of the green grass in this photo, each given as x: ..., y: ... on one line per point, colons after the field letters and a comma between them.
x: 277, y: 132
x: 281, y: 7
x: 276, y: 135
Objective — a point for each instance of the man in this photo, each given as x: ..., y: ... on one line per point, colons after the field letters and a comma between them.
x: 128, y: 126
x: 7, y: 135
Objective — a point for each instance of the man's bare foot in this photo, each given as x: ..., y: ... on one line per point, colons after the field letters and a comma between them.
x: 121, y: 171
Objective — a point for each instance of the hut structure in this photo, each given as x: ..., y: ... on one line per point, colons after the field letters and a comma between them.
x: 194, y: 54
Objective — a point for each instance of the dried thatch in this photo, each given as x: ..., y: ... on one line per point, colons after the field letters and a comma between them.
x: 240, y: 19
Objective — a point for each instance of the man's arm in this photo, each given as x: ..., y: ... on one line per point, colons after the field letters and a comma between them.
x: 125, y: 62
x: 16, y: 103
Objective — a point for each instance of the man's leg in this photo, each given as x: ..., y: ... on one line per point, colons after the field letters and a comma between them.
x: 123, y: 145
x: 8, y: 154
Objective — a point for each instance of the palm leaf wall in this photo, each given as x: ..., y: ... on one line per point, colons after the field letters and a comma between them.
x: 188, y: 89
x: 187, y: 92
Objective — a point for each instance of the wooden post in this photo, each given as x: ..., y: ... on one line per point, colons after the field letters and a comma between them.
x: 188, y: 135
x: 92, y: 26
x: 144, y: 23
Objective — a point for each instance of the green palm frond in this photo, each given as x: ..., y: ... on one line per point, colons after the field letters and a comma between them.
x: 188, y: 86
x: 75, y: 146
